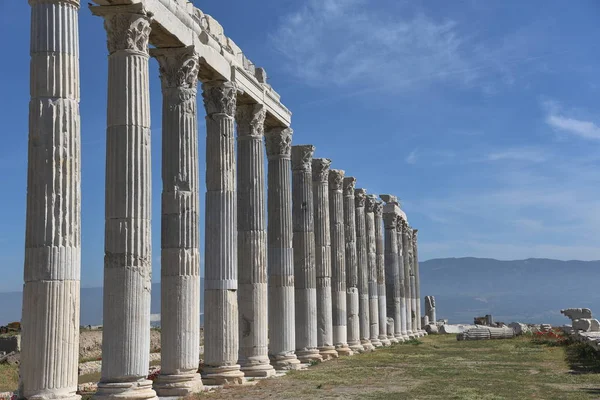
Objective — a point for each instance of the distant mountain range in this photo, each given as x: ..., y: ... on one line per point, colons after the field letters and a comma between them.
x: 533, y: 290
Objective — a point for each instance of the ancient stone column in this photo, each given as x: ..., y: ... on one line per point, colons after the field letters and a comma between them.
x: 360, y: 198
x: 352, y: 298
x: 417, y: 282
x: 282, y: 341
x: 430, y: 309
x: 252, y: 242
x: 380, y: 260
x: 180, y: 256
x: 221, y: 316
x: 373, y: 299
x: 338, y: 261
x: 392, y: 264
x: 320, y: 174
x: 404, y: 265
x: 128, y: 211
x: 305, y: 278
x: 50, y: 338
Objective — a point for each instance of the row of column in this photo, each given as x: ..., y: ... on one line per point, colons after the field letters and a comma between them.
x: 308, y: 286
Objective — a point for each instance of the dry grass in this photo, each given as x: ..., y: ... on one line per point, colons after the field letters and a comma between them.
x: 9, y: 378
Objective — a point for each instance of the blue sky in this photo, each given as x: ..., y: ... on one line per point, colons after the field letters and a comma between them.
x: 481, y: 116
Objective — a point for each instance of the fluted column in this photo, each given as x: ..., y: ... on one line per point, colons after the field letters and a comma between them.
x: 401, y: 275
x: 380, y: 265
x: 392, y: 273
x: 50, y: 338
x: 360, y: 198
x: 221, y: 329
x: 352, y: 297
x: 417, y: 282
x: 338, y: 261
x: 405, y: 242
x: 252, y: 242
x: 180, y: 255
x: 320, y: 174
x: 282, y: 341
x: 373, y: 300
x: 128, y: 245
x: 304, y: 255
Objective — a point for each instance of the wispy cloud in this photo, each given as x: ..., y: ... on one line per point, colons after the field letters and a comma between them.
x: 526, y: 154
x: 584, y: 129
x: 412, y: 157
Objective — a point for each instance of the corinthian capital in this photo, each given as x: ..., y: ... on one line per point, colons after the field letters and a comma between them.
x: 279, y: 142
x: 349, y: 185
x: 320, y: 169
x: 250, y: 120
x: 371, y: 203
x: 390, y: 220
x: 378, y: 209
x: 219, y: 97
x: 414, y: 236
x: 178, y: 66
x: 360, y: 197
x: 389, y: 199
x: 336, y: 179
x: 302, y: 157
x: 127, y: 28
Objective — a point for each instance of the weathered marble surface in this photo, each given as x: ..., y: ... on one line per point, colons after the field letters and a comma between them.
x: 360, y: 199
x: 373, y: 297
x: 430, y: 309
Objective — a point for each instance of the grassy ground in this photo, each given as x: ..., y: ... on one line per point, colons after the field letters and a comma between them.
x: 442, y: 368
x: 9, y: 378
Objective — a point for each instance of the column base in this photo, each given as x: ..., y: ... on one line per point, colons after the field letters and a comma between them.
x: 224, y: 375
x: 287, y: 362
x: 328, y: 353
x: 344, y: 350
x: 55, y: 395
x: 385, y: 341
x: 376, y: 343
x: 367, y: 345
x: 178, y: 385
x: 136, y: 390
x: 258, y: 368
x: 399, y: 339
x: 308, y: 356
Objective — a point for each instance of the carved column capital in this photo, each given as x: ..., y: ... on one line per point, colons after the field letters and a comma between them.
x: 414, y: 236
x: 127, y: 28
x: 336, y: 179
x: 390, y: 220
x: 250, y: 120
x: 178, y: 67
x: 220, y: 97
x: 279, y: 142
x: 349, y: 185
x: 320, y: 169
x: 302, y: 157
x: 360, y: 197
x: 389, y: 199
x: 378, y: 208
x: 371, y: 203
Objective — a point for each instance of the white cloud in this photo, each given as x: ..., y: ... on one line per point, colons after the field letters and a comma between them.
x: 412, y: 157
x: 518, y: 154
x: 584, y: 129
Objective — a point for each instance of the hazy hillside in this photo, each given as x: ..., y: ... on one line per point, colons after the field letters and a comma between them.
x: 531, y: 290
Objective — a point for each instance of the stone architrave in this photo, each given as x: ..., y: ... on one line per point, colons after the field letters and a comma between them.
x: 128, y: 211
x: 417, y: 293
x: 282, y: 341
x: 53, y: 221
x: 360, y: 199
x: 352, y: 297
x: 180, y: 256
x: 320, y: 174
x: 373, y: 300
x: 338, y: 262
x: 381, y: 283
x: 252, y: 242
x: 305, y: 278
x: 404, y: 242
x: 221, y: 316
x: 392, y: 264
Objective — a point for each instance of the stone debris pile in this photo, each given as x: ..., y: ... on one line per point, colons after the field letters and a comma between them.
x: 581, y: 319
x: 481, y: 332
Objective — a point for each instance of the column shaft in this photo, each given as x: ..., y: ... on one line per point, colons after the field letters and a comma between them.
x: 381, y: 281
x: 221, y: 329
x: 282, y: 342
x: 404, y: 237
x: 252, y: 243
x: 392, y: 274
x: 338, y: 262
x: 417, y: 281
x: 373, y: 298
x: 50, y: 339
x: 320, y: 174
x: 360, y: 198
x: 180, y: 255
x: 128, y: 244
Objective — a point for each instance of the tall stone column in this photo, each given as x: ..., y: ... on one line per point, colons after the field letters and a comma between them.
x: 360, y: 198
x: 282, y: 335
x: 405, y: 242
x: 305, y: 278
x: 252, y: 242
x: 380, y: 264
x: 128, y: 244
x: 221, y: 317
x: 320, y: 174
x: 338, y: 261
x: 180, y: 256
x: 352, y: 298
x: 373, y: 299
x: 417, y: 282
x: 50, y: 339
